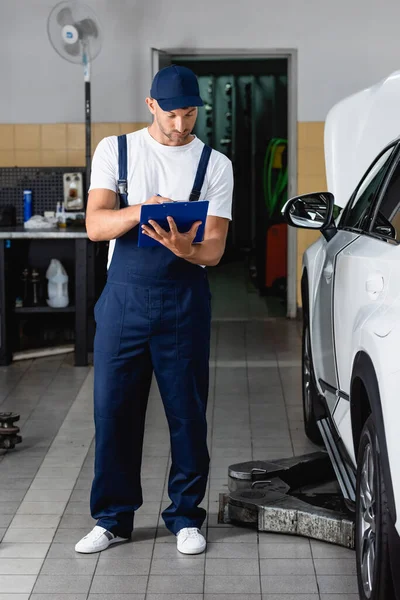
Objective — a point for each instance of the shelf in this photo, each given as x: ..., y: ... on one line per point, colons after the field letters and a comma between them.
x: 43, y: 309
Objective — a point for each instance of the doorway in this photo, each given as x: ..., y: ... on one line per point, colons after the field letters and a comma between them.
x: 248, y: 116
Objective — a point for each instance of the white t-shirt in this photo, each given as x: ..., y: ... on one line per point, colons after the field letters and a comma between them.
x: 166, y: 170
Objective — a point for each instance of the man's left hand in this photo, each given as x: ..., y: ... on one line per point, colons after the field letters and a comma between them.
x: 181, y: 244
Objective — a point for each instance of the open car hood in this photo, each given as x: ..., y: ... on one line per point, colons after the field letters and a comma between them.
x: 356, y: 130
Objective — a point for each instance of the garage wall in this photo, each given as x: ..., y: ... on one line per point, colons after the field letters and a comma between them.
x: 342, y: 47
x: 41, y: 107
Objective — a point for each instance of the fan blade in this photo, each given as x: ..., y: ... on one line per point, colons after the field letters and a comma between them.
x: 86, y: 28
x: 72, y: 49
x: 64, y: 17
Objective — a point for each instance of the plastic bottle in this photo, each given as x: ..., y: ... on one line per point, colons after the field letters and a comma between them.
x: 27, y: 205
x: 57, y: 287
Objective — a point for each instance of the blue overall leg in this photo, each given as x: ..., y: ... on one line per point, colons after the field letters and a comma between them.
x: 180, y: 354
x: 123, y: 373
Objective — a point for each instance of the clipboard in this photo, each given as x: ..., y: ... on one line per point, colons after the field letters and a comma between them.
x: 183, y: 213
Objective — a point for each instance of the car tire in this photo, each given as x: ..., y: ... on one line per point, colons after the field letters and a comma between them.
x: 310, y: 392
x: 372, y: 551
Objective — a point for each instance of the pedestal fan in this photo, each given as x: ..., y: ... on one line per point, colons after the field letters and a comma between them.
x: 74, y: 32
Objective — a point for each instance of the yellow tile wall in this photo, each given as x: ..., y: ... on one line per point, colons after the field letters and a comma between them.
x: 63, y: 144
x: 311, y: 177
x: 53, y: 145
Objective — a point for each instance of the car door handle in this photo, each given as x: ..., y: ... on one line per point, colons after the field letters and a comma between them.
x: 328, y: 272
x: 375, y: 284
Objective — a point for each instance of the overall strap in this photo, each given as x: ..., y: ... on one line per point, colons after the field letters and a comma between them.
x: 122, y: 171
x: 201, y: 173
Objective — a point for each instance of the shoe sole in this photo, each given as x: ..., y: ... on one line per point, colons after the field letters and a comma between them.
x: 116, y: 540
x: 193, y: 551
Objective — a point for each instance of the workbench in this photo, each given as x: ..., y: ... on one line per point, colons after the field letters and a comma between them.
x: 80, y: 240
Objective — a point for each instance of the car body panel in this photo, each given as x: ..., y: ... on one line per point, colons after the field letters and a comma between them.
x: 359, y: 310
x: 356, y: 130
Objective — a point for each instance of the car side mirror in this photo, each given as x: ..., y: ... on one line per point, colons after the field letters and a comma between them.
x: 311, y: 211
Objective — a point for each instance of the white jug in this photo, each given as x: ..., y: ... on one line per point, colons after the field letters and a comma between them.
x: 57, y: 287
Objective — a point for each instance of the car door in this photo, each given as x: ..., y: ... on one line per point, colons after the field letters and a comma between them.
x: 363, y: 272
x: 335, y: 301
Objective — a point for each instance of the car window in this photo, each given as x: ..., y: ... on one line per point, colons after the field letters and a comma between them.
x: 357, y: 215
x: 387, y: 218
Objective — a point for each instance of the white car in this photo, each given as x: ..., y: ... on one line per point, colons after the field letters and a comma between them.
x: 350, y: 289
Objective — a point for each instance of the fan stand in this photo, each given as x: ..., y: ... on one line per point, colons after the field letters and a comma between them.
x: 88, y: 122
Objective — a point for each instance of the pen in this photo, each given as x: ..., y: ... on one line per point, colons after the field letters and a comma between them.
x: 171, y: 200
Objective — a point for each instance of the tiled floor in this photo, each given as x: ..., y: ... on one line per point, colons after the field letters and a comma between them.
x: 254, y: 412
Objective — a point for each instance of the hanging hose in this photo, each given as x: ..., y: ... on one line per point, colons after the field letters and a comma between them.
x: 272, y: 197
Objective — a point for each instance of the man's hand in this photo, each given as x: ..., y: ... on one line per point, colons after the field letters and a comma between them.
x: 181, y: 244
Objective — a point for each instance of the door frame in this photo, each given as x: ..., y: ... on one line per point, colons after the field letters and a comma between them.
x: 291, y: 55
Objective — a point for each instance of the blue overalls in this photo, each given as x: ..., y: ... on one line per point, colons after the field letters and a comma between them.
x: 154, y: 314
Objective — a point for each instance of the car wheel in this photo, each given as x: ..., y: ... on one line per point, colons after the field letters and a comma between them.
x: 372, y: 554
x: 310, y: 392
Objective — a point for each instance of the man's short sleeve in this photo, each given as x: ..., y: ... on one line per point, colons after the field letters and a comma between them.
x: 104, y: 172
x: 220, y: 190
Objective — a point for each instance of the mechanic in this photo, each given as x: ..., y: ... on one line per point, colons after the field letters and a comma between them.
x: 154, y: 312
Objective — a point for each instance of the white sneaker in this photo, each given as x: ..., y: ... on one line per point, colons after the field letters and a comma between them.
x: 97, y: 540
x: 190, y: 541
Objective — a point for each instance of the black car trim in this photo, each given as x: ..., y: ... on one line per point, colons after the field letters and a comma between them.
x: 394, y: 554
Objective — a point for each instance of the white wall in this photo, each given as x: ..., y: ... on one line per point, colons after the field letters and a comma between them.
x: 343, y: 46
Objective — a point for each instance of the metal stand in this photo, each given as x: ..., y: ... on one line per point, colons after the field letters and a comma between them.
x: 288, y: 496
x: 81, y: 301
x: 5, y: 354
x: 9, y: 431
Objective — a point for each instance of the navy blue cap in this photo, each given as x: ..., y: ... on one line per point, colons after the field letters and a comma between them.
x: 176, y: 87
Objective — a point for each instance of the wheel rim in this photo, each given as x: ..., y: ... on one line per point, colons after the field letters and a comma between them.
x: 367, y: 522
x: 307, y: 376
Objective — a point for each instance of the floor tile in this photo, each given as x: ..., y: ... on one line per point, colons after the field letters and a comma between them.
x: 117, y: 597
x: 340, y: 597
x: 178, y: 566
x: 23, y: 584
x: 68, y: 566
x: 28, y: 535
x: 42, y: 508
x: 57, y: 597
x: 14, y: 596
x: 175, y: 584
x: 67, y: 551
x: 20, y: 566
x: 35, y: 522
x: 231, y: 597
x: 236, y: 535
x: 23, y: 550
x: 123, y: 566
x: 119, y: 584
x: 337, y: 566
x: 230, y: 566
x: 337, y: 584
x: 57, y: 584
x: 299, y: 596
x: 227, y: 550
x: 295, y: 566
x: 232, y: 584
x: 184, y: 596
x: 324, y: 550
x: 289, y: 584
x: 287, y: 551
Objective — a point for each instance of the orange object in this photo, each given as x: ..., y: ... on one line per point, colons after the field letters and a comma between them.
x: 276, y: 253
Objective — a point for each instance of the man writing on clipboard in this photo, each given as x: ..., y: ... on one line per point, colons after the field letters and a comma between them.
x: 154, y: 312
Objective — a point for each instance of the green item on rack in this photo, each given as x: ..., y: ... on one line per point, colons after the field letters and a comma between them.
x: 273, y: 196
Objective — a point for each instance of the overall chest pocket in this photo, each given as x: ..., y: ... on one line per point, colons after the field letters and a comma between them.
x: 109, y: 313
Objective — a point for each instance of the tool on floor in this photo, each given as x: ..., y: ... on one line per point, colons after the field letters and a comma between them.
x: 289, y: 496
x: 9, y: 431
